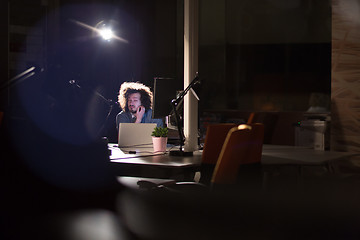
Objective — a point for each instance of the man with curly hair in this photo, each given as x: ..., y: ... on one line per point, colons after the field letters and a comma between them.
x: 136, y: 100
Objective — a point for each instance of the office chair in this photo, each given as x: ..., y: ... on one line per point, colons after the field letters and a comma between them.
x: 250, y: 119
x: 242, y: 149
x: 214, y: 140
x: 238, y: 164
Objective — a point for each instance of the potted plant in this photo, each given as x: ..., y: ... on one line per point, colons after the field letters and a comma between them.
x: 159, y: 136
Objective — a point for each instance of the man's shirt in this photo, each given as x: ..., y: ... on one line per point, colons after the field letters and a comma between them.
x: 126, y: 117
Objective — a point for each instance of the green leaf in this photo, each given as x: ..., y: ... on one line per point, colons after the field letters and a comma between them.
x: 160, y: 132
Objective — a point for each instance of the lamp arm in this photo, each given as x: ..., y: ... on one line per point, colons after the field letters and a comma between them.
x: 183, y: 93
x: 174, y: 104
x: 178, y: 123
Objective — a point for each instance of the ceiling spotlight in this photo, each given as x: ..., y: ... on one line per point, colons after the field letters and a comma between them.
x: 102, y: 29
x: 106, y: 33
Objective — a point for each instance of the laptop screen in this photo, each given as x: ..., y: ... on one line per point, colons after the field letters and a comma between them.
x: 135, y: 134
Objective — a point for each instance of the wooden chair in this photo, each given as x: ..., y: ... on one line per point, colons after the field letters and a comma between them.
x: 242, y: 146
x: 250, y: 119
x: 214, y: 140
x: 238, y: 163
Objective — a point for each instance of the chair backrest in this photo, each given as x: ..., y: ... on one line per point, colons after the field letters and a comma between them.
x: 214, y: 140
x: 250, y: 119
x: 243, y: 145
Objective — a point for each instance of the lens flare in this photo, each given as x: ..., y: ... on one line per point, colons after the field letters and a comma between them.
x: 106, y: 33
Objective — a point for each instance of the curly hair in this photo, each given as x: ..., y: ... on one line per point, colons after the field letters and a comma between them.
x: 128, y: 88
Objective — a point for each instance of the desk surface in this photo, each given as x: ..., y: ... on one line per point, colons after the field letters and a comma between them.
x: 280, y: 154
x: 271, y: 155
x: 145, y: 156
x: 144, y: 163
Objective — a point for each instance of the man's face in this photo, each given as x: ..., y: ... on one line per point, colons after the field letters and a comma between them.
x: 134, y: 102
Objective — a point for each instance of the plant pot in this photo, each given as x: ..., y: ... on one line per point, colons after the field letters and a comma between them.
x: 159, y: 144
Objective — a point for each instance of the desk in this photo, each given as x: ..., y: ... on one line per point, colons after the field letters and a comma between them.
x: 147, y: 164
x: 300, y: 156
x: 288, y: 163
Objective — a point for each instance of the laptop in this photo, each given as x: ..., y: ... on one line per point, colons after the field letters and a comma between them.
x: 133, y: 135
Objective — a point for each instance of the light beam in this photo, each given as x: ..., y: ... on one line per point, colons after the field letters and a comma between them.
x: 105, y: 33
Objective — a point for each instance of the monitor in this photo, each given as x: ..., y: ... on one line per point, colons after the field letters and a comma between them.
x: 164, y: 92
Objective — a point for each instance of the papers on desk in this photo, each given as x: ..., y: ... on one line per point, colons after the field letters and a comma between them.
x: 131, y: 152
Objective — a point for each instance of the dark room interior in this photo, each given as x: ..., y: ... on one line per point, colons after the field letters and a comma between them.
x: 283, y: 73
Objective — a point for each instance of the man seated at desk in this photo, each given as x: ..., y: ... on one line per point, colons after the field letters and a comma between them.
x: 135, y: 101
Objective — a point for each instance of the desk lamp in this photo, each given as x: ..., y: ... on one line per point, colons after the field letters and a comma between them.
x: 174, y: 103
